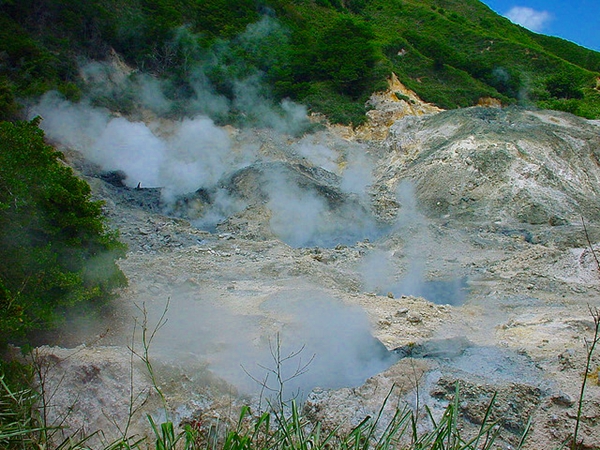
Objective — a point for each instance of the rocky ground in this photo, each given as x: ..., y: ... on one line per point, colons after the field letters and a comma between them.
x: 465, y: 253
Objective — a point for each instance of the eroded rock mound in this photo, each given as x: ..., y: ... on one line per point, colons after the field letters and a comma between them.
x: 498, y: 165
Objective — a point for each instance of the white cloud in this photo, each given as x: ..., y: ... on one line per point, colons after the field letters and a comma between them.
x: 529, y: 18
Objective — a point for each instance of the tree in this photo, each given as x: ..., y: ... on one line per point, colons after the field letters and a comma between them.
x: 564, y: 85
x: 347, y: 55
x: 55, y: 248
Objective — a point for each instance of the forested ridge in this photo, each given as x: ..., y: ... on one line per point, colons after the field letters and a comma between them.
x: 327, y: 54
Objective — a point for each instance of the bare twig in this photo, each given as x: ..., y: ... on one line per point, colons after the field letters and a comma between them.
x: 590, y: 347
x: 136, y: 401
x: 278, y: 371
x: 587, y: 237
x: 147, y: 338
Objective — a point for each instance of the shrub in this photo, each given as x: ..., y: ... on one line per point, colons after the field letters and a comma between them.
x: 55, y: 248
x: 564, y: 85
x: 347, y: 55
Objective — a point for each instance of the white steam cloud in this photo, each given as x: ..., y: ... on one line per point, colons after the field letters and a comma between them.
x: 199, y: 155
x: 380, y: 269
x: 529, y: 18
x: 302, y: 217
x: 318, y: 154
x: 331, y: 339
x: 290, y: 117
x: 348, y: 160
x: 315, y: 207
x: 298, y: 217
x: 378, y: 272
x: 186, y: 155
x: 339, y: 337
x: 191, y: 154
x: 357, y: 174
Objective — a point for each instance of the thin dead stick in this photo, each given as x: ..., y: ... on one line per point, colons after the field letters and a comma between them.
x: 587, y: 237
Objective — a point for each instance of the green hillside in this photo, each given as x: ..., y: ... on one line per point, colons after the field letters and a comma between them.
x: 327, y: 54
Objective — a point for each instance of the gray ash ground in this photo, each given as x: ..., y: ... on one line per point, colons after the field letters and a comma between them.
x: 482, y: 279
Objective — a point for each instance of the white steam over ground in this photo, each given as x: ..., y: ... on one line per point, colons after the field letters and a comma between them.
x: 186, y: 155
x: 316, y: 191
x: 382, y: 276
x: 301, y: 218
x: 330, y: 342
x: 290, y: 206
x: 191, y: 154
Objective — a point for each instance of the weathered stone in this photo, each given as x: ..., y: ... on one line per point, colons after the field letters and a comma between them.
x: 414, y: 318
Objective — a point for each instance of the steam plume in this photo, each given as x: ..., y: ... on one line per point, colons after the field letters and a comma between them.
x: 381, y: 274
x: 193, y: 154
x: 332, y: 338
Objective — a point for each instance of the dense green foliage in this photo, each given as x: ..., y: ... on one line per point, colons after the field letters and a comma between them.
x: 327, y: 54
x: 54, y: 246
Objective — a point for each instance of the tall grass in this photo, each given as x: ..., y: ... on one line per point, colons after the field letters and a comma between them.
x: 19, y: 427
x: 279, y: 431
x: 276, y: 429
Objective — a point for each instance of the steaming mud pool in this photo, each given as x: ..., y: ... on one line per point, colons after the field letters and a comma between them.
x: 457, y: 272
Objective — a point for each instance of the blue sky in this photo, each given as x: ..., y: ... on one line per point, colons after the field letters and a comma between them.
x: 575, y: 20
